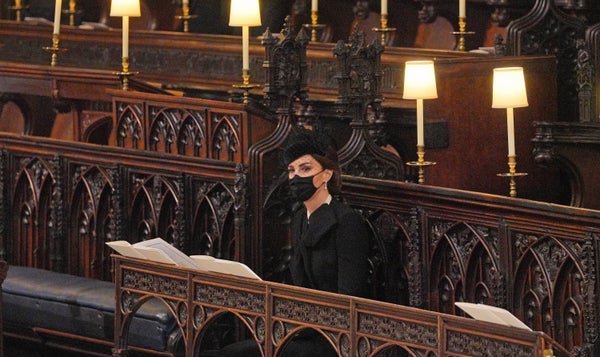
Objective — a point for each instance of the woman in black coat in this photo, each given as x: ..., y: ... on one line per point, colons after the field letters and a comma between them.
x: 330, y: 239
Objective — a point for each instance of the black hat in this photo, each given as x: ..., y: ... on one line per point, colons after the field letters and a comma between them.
x: 309, y: 142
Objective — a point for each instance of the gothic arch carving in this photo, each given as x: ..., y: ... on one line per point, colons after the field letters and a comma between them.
x: 92, y: 222
x: 129, y: 125
x: 35, y: 185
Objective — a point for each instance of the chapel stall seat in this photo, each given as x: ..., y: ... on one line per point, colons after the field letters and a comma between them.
x: 78, y: 313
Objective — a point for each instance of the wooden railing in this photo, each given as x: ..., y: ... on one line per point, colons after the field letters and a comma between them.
x: 273, y: 313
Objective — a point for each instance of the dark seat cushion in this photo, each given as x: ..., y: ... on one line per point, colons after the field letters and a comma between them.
x: 81, y: 306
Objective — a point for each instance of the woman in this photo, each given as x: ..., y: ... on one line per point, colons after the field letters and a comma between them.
x: 330, y: 239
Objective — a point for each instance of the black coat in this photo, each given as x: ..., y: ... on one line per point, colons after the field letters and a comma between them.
x: 331, y: 251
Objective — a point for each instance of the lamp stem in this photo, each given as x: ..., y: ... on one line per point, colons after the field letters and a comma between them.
x: 125, y: 30
x: 245, y: 47
x: 420, y: 124
x: 510, y: 130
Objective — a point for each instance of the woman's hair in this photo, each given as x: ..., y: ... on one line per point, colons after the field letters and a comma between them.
x: 320, y: 146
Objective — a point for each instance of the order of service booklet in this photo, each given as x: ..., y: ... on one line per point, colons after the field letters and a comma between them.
x: 493, y: 314
x: 161, y: 251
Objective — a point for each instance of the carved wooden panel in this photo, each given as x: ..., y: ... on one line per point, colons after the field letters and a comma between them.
x: 548, y: 31
x: 273, y: 313
x: 91, y: 205
x: 61, y: 208
x: 201, y: 129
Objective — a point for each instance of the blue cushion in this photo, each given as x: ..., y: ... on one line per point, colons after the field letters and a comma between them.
x: 81, y: 306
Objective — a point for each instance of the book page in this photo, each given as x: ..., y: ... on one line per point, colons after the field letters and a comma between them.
x: 224, y: 266
x: 493, y: 314
x: 204, y: 262
x: 175, y: 255
x: 156, y: 255
x: 124, y: 248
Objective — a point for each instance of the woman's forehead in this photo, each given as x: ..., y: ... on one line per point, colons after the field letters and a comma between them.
x: 304, y: 159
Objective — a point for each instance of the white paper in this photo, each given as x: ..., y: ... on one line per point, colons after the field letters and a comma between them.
x: 208, y: 263
x: 159, y: 250
x: 492, y: 314
x: 156, y: 249
x: 125, y: 248
x: 176, y: 256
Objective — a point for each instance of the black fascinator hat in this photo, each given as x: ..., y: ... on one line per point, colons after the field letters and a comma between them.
x: 309, y: 142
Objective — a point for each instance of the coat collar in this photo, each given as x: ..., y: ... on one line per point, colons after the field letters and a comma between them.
x: 321, y: 221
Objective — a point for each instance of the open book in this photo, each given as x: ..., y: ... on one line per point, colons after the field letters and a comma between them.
x: 493, y: 314
x: 159, y: 250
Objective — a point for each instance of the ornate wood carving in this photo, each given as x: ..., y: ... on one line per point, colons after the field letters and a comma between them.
x: 66, y: 206
x: 354, y: 327
x: 546, y: 30
x: 593, y: 46
x: 162, y: 124
x: 359, y: 80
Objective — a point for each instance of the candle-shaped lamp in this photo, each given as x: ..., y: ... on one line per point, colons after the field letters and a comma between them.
x: 125, y: 9
x: 462, y: 8
x: 57, y: 11
x: 314, y: 5
x: 509, y: 92
x: 245, y: 13
x: 419, y: 84
x: 384, y: 7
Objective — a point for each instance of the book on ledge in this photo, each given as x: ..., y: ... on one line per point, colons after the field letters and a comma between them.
x: 493, y: 314
x: 161, y: 251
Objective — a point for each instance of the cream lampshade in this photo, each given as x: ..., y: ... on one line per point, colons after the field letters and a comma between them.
x: 509, y: 92
x: 509, y: 88
x: 419, y: 80
x: 244, y: 13
x: 125, y: 8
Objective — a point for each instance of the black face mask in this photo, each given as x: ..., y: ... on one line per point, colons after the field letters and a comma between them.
x: 302, y: 188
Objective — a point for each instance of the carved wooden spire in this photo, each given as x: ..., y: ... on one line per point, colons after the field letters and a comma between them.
x: 359, y: 80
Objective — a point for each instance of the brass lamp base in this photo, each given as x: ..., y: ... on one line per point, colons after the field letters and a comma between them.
x: 512, y: 174
x: 186, y: 21
x: 314, y: 26
x: 124, y: 74
x: 54, y: 50
x: 246, y: 86
x: 384, y: 29
x: 461, y: 33
x: 421, y: 163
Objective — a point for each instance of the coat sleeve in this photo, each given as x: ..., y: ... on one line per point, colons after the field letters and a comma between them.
x: 352, y: 243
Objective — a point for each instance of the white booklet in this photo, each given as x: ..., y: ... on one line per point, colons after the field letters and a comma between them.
x: 493, y: 314
x: 161, y: 251
x: 156, y: 249
x: 223, y: 266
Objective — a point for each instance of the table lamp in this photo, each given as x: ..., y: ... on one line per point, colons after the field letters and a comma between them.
x: 419, y: 84
x: 125, y: 9
x: 509, y: 92
x: 245, y: 13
